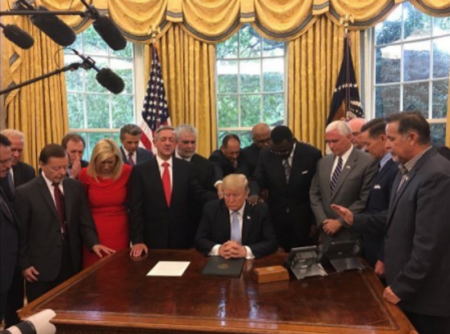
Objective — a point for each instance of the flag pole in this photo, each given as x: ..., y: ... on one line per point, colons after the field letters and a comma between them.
x: 344, y: 20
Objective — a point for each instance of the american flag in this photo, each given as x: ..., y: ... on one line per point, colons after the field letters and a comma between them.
x: 155, y: 112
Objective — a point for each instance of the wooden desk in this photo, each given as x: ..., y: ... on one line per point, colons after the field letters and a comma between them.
x: 116, y: 296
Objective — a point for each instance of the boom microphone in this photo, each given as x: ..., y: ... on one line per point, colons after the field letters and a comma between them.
x: 106, y: 28
x: 105, y: 76
x: 16, y: 35
x: 53, y: 27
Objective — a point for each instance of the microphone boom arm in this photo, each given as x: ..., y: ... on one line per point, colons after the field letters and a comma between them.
x: 70, y: 67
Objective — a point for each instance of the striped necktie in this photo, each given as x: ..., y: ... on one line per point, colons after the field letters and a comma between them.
x: 335, y: 177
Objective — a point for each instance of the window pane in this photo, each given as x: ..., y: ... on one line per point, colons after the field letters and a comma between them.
x: 227, y: 49
x: 97, y: 107
x: 125, y: 53
x: 388, y: 64
x: 440, y: 94
x: 416, y: 23
x: 92, y: 84
x: 441, y: 55
x: 387, y: 100
x: 124, y: 69
x: 438, y: 133
x: 249, y: 43
x: 227, y: 71
x: 416, y: 59
x: 75, y: 110
x: 77, y: 45
x: 441, y: 26
x: 250, y: 76
x: 389, y: 31
x: 122, y: 110
x: 93, y: 43
x: 74, y: 79
x: 273, y: 109
x: 250, y: 109
x: 272, y: 48
x: 228, y: 111
x: 273, y: 70
x: 416, y: 97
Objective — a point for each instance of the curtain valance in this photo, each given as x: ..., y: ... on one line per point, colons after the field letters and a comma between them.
x: 213, y: 21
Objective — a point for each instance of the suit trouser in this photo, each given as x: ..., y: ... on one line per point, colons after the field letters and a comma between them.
x: 426, y: 324
x: 37, y: 289
x: 14, y: 300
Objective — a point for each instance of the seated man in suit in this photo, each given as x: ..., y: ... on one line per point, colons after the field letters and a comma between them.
x: 9, y: 234
x: 160, y: 194
x: 54, y: 220
x: 261, y: 139
x: 229, y: 159
x: 132, y: 154
x: 20, y: 173
x: 233, y: 229
x: 373, y: 135
x: 343, y: 178
x: 74, y: 145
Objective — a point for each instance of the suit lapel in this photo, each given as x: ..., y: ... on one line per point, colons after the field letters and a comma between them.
x: 246, y: 224
x: 45, y: 192
x: 346, y: 170
x: 68, y: 198
x: 224, y: 221
x: 5, y: 207
x: 176, y: 175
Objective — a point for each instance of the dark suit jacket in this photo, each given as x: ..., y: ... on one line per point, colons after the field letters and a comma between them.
x: 40, y: 234
x: 251, y: 155
x: 352, y: 190
x: 289, y: 203
x: 22, y: 174
x: 225, y: 167
x: 151, y: 221
x: 9, y: 245
x: 205, y: 172
x: 142, y: 155
x: 257, y: 230
x: 417, y: 241
x: 378, y: 201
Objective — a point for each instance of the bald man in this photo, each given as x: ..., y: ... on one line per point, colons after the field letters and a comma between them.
x: 261, y: 139
x: 355, y: 125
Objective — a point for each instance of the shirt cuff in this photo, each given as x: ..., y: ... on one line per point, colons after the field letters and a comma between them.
x: 214, y: 251
x: 249, y: 255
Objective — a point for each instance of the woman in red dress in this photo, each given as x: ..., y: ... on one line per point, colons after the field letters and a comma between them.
x: 105, y: 182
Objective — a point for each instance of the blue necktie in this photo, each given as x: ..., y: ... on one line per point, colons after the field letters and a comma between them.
x: 235, y: 228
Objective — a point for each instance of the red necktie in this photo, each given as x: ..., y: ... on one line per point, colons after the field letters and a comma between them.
x: 166, y: 182
x: 60, y: 209
x: 130, y: 159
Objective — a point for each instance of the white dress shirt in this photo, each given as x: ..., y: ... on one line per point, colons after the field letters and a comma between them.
x: 344, y: 157
x: 51, y: 188
x: 133, y: 156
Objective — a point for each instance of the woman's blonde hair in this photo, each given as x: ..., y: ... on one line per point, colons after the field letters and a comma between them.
x: 105, y: 149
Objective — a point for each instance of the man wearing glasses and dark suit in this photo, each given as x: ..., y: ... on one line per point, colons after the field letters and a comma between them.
x: 286, y: 170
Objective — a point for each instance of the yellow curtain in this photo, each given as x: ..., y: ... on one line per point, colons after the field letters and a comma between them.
x: 38, y: 110
x: 314, y: 62
x: 188, y: 68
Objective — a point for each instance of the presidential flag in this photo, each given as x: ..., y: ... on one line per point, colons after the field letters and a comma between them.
x: 346, y: 103
x: 155, y: 112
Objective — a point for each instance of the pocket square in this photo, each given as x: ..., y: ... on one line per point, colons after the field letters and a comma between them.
x: 377, y: 186
x: 305, y: 172
x: 348, y: 166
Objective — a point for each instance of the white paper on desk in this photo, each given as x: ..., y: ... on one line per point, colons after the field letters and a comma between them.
x: 169, y: 268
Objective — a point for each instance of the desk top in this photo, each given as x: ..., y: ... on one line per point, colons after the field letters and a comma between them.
x: 116, y: 292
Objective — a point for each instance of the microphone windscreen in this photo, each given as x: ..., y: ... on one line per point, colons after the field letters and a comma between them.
x: 109, y: 32
x: 18, y: 36
x: 110, y: 80
x: 54, y: 28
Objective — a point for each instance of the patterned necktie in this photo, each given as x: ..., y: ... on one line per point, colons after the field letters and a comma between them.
x: 335, y: 177
x: 287, y: 169
x: 404, y: 178
x: 10, y: 181
x: 166, y: 182
x: 60, y: 209
x: 130, y: 159
x: 235, y: 228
